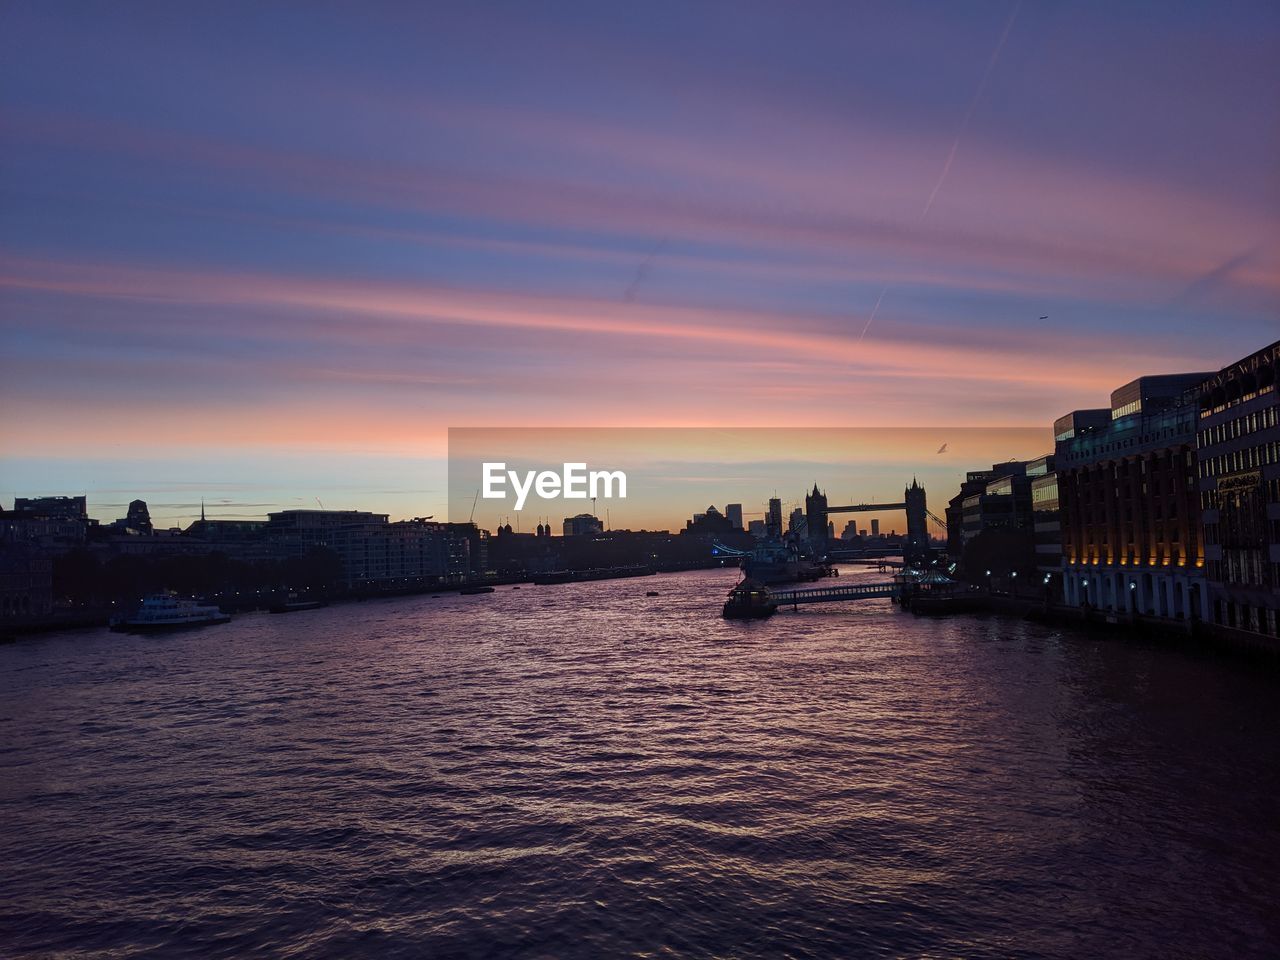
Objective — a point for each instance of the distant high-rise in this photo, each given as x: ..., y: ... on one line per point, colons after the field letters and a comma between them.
x: 850, y: 530
x: 796, y: 523
x: 757, y: 529
x: 733, y: 511
x: 875, y: 528
x: 773, y: 522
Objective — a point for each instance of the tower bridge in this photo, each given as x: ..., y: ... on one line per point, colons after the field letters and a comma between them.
x: 915, y: 548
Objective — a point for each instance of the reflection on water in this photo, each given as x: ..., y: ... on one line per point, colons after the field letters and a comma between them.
x: 583, y: 771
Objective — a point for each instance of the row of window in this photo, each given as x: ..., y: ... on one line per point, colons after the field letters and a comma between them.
x: 1239, y: 427
x: 1250, y: 458
x: 1236, y: 401
x: 1133, y: 406
x: 1246, y: 569
x: 1263, y: 532
x: 1244, y: 616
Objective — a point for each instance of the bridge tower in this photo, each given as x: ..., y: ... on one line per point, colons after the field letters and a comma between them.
x: 916, y: 548
x: 815, y: 514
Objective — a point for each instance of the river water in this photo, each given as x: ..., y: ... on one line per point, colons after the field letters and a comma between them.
x: 583, y: 771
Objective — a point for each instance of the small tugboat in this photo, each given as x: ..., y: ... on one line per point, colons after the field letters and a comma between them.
x: 749, y: 600
x: 164, y: 612
x: 471, y: 591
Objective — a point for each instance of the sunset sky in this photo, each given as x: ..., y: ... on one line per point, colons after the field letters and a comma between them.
x: 267, y: 254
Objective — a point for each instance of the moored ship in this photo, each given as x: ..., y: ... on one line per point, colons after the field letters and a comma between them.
x: 775, y: 561
x: 163, y: 612
x: 294, y: 603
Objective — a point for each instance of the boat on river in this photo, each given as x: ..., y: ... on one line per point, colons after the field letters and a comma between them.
x: 164, y: 612
x: 293, y: 603
x: 600, y: 573
x: 781, y: 561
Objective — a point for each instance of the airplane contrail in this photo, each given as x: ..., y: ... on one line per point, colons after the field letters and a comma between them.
x: 973, y: 104
x: 955, y: 144
x: 874, y: 311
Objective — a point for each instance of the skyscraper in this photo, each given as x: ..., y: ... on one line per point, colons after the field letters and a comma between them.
x: 733, y: 511
x: 773, y: 522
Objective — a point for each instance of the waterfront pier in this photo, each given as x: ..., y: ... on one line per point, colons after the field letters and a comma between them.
x: 751, y: 600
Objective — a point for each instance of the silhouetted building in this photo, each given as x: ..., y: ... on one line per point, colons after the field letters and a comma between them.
x: 1130, y: 513
x: 136, y: 521
x: 733, y: 512
x: 51, y: 524
x: 850, y: 531
x: 773, y: 520
x: 404, y: 554
x: 975, y: 482
x: 583, y: 525
x: 757, y: 529
x: 713, y: 523
x: 815, y: 519
x: 875, y: 527
x: 1046, y: 523
x: 52, y: 508
x: 226, y: 531
x: 478, y: 542
x: 915, y: 549
x: 293, y: 533
x: 1238, y: 441
x: 797, y: 524
x: 26, y: 583
x: 1078, y: 423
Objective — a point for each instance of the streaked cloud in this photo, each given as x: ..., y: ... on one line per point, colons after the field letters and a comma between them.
x: 341, y: 244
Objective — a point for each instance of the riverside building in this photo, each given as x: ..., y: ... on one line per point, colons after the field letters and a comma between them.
x: 1238, y: 440
x: 1129, y: 502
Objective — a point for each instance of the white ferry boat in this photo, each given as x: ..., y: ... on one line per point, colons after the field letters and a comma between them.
x: 162, y: 612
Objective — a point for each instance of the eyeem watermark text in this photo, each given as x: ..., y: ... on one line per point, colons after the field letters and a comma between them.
x: 573, y: 482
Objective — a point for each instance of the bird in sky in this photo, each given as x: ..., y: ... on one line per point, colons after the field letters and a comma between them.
x: 1045, y: 317
x: 943, y: 448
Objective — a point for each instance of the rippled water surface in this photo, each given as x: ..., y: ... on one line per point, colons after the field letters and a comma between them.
x: 583, y: 771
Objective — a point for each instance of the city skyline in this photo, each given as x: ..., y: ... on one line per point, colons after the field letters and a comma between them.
x: 676, y: 479
x: 321, y: 241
